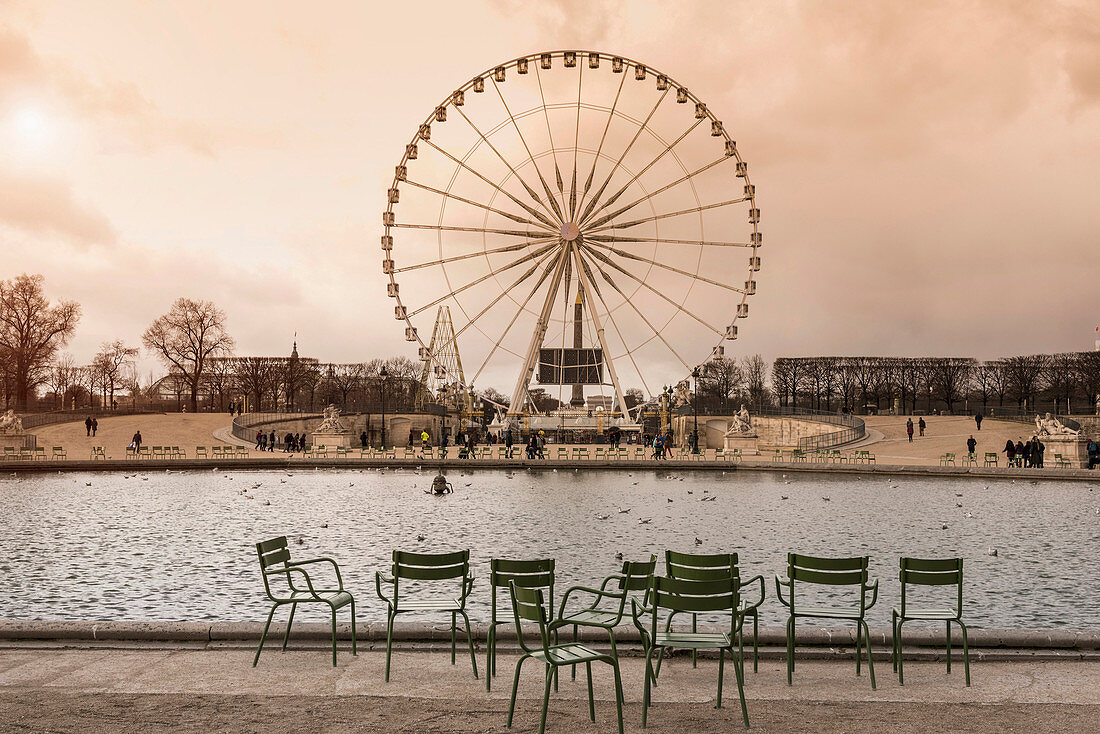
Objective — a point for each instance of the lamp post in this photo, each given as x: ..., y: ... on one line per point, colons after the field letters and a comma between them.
x: 383, y: 374
x: 695, y: 410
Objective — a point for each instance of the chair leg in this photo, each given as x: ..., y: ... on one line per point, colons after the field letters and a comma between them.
x: 264, y: 635
x: 694, y: 652
x: 894, y: 639
x: 470, y: 642
x: 947, y: 626
x: 591, y: 696
x: 755, y: 642
x: 897, y: 646
x: 454, y: 622
x: 389, y: 641
x: 966, y: 651
x: 545, y: 698
x: 790, y: 649
x: 618, y: 692
x: 721, y: 670
x: 870, y: 661
x: 286, y: 636
x: 859, y: 645
x: 649, y: 675
x: 354, y: 651
x: 515, y: 687
x: 739, y: 672
x: 334, y: 637
x: 490, y: 661
x: 573, y: 673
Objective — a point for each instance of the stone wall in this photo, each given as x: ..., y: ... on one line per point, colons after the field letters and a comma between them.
x: 774, y: 431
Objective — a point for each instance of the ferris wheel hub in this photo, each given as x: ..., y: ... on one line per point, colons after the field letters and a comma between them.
x: 570, y: 231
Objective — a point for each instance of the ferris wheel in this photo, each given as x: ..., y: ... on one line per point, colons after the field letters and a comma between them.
x: 587, y: 221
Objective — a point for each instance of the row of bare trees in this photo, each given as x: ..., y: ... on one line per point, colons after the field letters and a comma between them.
x: 1060, y: 381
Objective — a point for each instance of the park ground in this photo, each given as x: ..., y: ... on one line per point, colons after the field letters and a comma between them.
x: 201, y: 690
x: 886, y: 436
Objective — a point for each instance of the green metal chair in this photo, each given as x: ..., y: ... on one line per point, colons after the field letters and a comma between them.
x: 712, y: 567
x: 930, y: 572
x: 813, y: 571
x: 428, y: 567
x: 991, y: 459
x: 635, y: 577
x: 691, y: 597
x: 275, y: 564
x: 59, y: 453
x: 528, y: 604
x: 535, y: 574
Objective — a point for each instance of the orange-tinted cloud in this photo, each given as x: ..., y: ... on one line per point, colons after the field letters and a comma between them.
x: 47, y: 207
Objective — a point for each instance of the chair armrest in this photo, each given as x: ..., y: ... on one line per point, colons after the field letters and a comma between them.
x: 761, y: 599
x: 779, y: 583
x: 335, y: 567
x: 379, y: 579
x: 609, y: 579
x: 599, y: 594
x: 467, y: 586
x: 288, y: 570
x: 873, y: 587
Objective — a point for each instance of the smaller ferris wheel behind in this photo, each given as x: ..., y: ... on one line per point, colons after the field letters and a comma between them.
x: 586, y: 220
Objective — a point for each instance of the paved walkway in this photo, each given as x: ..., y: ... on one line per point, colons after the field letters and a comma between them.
x: 171, y: 689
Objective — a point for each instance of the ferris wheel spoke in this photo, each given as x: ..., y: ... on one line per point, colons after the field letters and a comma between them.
x: 515, y: 317
x: 615, y: 286
x: 545, y: 187
x: 479, y: 230
x: 664, y: 241
x: 607, y: 260
x: 599, y: 148
x: 448, y: 195
x: 668, y: 149
x: 550, y: 135
x: 576, y: 147
x: 482, y: 279
x: 614, y: 324
x: 527, y: 274
x: 599, y: 193
x: 686, y: 177
x: 481, y: 253
x: 527, y: 208
x: 530, y: 191
x: 663, y: 266
x: 646, y: 220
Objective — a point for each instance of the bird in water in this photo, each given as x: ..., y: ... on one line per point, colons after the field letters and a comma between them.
x: 698, y: 542
x: 645, y: 520
x: 624, y: 511
x: 618, y: 556
x: 421, y: 538
x: 602, y: 517
x: 993, y: 552
x: 782, y: 496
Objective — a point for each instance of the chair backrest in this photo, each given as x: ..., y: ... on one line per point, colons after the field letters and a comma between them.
x: 527, y: 574
x: 528, y: 604
x: 828, y: 572
x: 694, y: 596
x: 274, y: 554
x: 429, y: 567
x: 932, y: 572
x: 701, y: 567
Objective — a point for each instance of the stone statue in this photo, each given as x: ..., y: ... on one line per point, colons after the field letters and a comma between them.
x: 683, y: 394
x: 1049, y: 426
x: 331, y: 422
x: 741, y: 422
x: 11, y: 423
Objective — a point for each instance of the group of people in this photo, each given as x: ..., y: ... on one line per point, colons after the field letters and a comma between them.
x: 292, y: 442
x: 1029, y: 454
x: 660, y: 443
x: 909, y: 427
x: 91, y: 425
x: 236, y: 409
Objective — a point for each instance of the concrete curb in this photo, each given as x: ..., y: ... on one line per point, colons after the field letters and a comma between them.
x: 283, y: 463
x: 419, y: 632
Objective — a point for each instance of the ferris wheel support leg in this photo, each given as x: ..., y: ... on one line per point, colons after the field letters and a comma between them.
x: 519, y: 395
x: 582, y: 275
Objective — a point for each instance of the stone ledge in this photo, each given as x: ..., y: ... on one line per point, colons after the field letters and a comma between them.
x: 12, y: 630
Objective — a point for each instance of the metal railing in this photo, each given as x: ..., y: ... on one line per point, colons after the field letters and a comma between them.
x: 34, y: 420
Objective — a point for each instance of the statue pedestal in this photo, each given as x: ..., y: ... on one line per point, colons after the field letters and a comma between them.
x: 14, y: 440
x: 333, y: 439
x: 748, y: 444
x: 1071, y: 447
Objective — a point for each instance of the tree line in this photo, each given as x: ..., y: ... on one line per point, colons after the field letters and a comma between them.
x: 1064, y: 383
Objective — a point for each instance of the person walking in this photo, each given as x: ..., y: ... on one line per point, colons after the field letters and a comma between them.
x: 1093, y: 452
x: 136, y: 441
x: 909, y: 429
x: 363, y: 440
x: 259, y: 439
x: 425, y: 440
x: 288, y: 443
x: 271, y: 441
x: 88, y: 425
x: 1010, y: 452
x: 508, y: 440
x: 1037, y: 452
x: 95, y: 426
x: 971, y: 444
x: 978, y: 419
x: 1026, y: 451
x: 921, y: 425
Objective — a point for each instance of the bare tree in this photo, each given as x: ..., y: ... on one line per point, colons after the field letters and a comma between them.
x: 720, y: 384
x: 1023, y: 373
x: 31, y: 332
x: 755, y: 370
x: 1060, y: 379
x: 110, y: 365
x: 186, y: 337
x: 950, y: 378
x: 61, y: 376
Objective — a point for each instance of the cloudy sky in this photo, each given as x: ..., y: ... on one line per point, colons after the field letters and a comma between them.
x: 928, y: 173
